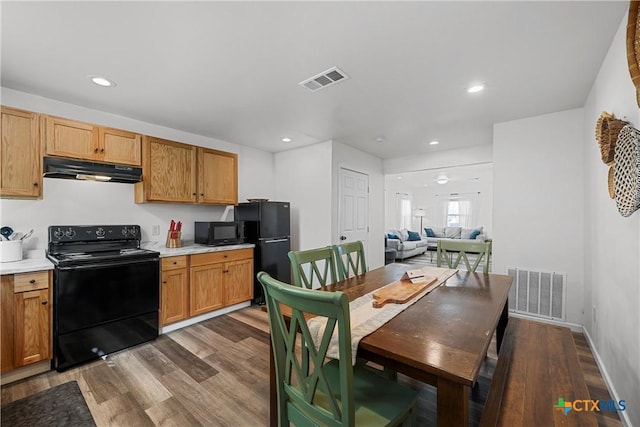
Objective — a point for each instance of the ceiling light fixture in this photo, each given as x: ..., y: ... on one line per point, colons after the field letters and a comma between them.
x: 398, y: 177
x: 285, y: 139
x: 475, y: 88
x: 442, y: 179
x: 379, y: 139
x: 102, y: 81
x: 434, y: 143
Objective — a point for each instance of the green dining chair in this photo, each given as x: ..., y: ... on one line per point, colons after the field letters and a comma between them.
x: 313, y: 266
x: 448, y: 248
x: 350, y: 257
x: 329, y: 392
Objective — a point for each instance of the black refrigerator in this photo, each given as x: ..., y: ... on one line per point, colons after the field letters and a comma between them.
x: 267, y: 225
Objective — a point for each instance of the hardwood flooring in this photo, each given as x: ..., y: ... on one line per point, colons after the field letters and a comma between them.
x: 216, y: 373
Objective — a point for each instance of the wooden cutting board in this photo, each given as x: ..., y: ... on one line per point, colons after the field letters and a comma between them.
x: 401, y: 291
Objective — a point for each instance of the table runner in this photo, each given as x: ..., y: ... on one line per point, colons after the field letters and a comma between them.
x: 365, y: 319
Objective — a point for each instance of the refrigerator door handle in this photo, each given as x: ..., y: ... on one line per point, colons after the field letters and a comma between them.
x: 276, y: 240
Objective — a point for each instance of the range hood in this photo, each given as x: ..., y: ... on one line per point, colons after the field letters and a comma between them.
x: 84, y: 170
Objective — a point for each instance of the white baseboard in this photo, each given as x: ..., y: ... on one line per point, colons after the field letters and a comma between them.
x: 607, y: 379
x: 573, y: 326
x: 206, y: 316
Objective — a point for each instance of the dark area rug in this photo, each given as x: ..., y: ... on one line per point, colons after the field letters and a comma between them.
x: 62, y: 405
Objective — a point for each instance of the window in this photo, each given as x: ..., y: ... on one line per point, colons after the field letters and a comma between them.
x: 459, y: 213
x: 405, y: 214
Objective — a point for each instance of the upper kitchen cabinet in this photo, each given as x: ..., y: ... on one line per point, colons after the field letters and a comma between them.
x: 20, y: 154
x: 217, y: 177
x: 182, y: 173
x: 168, y: 172
x: 69, y: 138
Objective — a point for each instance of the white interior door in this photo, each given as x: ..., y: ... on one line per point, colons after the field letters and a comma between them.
x: 354, y: 207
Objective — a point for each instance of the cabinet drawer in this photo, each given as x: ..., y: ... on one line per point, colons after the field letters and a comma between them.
x: 174, y: 262
x: 30, y: 281
x: 222, y: 256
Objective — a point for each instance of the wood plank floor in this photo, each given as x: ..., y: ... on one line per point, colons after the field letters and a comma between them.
x: 216, y: 373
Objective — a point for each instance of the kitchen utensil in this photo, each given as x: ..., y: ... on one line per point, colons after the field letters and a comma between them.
x: 6, y: 231
x: 16, y: 236
x: 3, y: 239
x: 26, y: 236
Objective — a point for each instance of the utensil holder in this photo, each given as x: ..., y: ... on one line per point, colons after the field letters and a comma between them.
x: 10, y: 250
x: 173, y: 239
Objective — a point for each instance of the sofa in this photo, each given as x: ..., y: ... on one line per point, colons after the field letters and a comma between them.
x: 410, y: 243
x: 406, y: 243
x: 433, y: 234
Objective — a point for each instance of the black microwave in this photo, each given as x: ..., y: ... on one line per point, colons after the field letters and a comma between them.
x: 214, y: 233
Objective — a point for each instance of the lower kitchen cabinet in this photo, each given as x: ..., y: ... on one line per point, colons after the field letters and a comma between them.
x: 174, y: 290
x: 192, y: 285
x: 26, y: 319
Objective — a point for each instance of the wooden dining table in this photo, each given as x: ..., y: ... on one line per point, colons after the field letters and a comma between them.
x: 441, y: 339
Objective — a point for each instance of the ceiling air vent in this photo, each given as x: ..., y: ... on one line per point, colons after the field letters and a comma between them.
x: 324, y: 79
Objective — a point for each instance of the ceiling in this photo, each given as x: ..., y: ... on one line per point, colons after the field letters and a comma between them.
x: 230, y: 70
x: 458, y: 177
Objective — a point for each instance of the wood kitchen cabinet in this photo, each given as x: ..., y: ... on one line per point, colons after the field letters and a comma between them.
x: 20, y: 154
x: 78, y: 140
x: 174, y: 290
x: 220, y: 279
x: 217, y: 177
x: 26, y: 319
x: 168, y: 172
x: 182, y: 173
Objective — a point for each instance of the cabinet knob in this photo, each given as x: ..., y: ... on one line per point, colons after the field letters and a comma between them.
x: 202, y: 194
x: 193, y: 194
x: 225, y: 256
x: 164, y: 282
x: 102, y: 150
x: 44, y: 302
x: 95, y: 150
x: 35, y: 184
x: 32, y: 281
x: 175, y: 262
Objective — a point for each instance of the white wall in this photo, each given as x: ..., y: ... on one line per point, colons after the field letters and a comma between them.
x: 303, y: 177
x: 74, y: 202
x: 538, y: 194
x: 612, y: 245
x: 351, y: 158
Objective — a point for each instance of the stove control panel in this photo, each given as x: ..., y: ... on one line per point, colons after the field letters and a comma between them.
x: 93, y: 233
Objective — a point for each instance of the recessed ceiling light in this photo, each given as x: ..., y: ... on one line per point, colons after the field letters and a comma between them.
x: 475, y: 88
x: 442, y: 179
x: 102, y: 81
x: 379, y: 139
x: 398, y: 177
x: 285, y: 139
x: 434, y: 143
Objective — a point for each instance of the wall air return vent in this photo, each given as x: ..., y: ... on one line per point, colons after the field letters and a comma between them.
x: 324, y: 79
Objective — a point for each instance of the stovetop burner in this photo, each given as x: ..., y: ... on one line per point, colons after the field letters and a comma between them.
x: 70, y: 245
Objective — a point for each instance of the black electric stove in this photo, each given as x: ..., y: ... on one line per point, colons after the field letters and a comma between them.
x: 105, y: 291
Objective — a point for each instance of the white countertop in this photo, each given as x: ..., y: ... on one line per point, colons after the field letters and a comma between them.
x: 36, y: 260
x: 190, y: 248
x: 33, y: 260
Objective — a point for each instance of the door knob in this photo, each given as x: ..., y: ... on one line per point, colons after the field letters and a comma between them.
x: 343, y: 237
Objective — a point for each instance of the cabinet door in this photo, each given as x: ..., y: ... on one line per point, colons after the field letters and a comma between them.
x: 7, y: 325
x: 68, y: 138
x: 217, y: 177
x: 238, y: 283
x: 206, y: 288
x: 20, y: 157
x: 174, y: 296
x: 169, y: 172
x: 119, y: 146
x: 32, y: 327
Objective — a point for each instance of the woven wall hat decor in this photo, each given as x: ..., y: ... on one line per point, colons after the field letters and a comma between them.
x: 633, y: 45
x: 607, y: 130
x: 626, y: 173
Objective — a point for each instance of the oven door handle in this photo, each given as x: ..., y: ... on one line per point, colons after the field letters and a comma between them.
x: 107, y: 264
